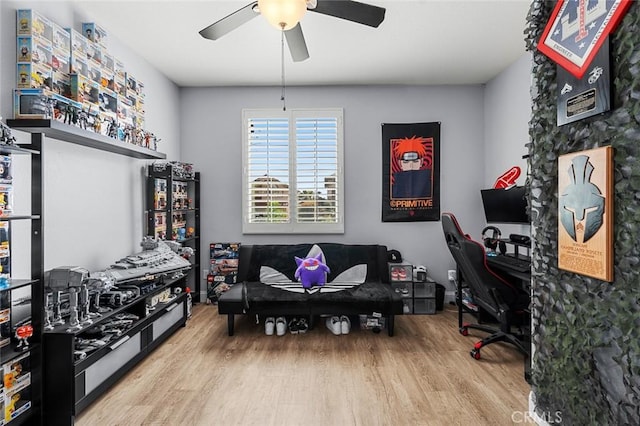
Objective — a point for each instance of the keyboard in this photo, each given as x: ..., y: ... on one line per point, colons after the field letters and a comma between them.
x: 519, y: 264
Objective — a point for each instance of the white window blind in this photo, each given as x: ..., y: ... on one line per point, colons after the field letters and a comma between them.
x: 292, y: 180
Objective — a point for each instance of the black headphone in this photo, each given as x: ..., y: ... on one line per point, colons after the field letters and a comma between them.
x: 492, y: 242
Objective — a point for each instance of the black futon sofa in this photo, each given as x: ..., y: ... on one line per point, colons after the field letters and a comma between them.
x: 358, y: 283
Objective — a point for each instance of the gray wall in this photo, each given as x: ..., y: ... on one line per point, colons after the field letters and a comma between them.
x: 93, y: 210
x: 211, y: 124
x: 507, y: 109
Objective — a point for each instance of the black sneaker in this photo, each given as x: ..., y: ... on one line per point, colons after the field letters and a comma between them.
x: 293, y: 326
x: 303, y: 326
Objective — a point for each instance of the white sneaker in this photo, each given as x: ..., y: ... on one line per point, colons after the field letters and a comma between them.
x: 333, y: 324
x: 345, y: 324
x: 269, y: 325
x: 281, y: 326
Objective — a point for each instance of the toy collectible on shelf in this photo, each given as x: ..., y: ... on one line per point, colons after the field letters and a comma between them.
x: 160, y: 219
x: 76, y: 80
x: 5, y: 169
x: 6, y: 198
x: 17, y: 387
x: 5, y: 252
x: 95, y: 33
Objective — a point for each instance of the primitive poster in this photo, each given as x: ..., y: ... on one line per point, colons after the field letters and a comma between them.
x: 410, y: 172
x: 585, y: 210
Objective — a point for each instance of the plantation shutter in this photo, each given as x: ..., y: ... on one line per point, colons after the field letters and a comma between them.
x: 268, y: 170
x: 316, y: 169
x: 292, y: 178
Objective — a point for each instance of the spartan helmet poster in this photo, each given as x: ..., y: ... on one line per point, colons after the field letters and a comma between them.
x: 585, y: 213
x: 411, y: 171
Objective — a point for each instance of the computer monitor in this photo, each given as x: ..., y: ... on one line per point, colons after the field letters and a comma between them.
x: 505, y: 205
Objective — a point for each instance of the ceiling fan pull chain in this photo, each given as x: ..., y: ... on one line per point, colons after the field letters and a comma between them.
x: 282, y: 96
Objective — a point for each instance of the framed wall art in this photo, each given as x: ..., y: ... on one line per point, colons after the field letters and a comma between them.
x: 585, y: 213
x: 577, y: 29
x: 410, y: 172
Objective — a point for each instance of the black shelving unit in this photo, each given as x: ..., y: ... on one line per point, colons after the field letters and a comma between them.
x: 173, y: 203
x: 79, y: 377
x: 25, y: 395
x: 58, y: 388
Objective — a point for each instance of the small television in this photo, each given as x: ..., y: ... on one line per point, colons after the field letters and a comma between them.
x: 505, y: 205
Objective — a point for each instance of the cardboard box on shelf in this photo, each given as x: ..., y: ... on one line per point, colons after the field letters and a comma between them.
x: 95, y: 72
x: 34, y: 75
x: 17, y: 373
x: 33, y: 49
x: 108, y: 101
x: 79, y: 45
x: 125, y: 111
x: 30, y: 22
x: 108, y: 62
x: 85, y: 90
x: 107, y: 79
x: 79, y: 66
x: 94, y: 52
x: 95, y: 33
x: 61, y: 41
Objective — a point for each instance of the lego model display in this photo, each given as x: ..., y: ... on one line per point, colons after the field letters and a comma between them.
x: 134, y: 305
x: 158, y: 258
x: 71, y: 279
x: 91, y: 295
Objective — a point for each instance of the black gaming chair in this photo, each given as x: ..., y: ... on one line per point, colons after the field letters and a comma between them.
x: 503, y: 301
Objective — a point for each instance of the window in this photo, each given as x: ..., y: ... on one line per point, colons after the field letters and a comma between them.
x: 292, y: 171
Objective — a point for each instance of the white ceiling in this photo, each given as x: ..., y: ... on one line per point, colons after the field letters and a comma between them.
x: 420, y: 42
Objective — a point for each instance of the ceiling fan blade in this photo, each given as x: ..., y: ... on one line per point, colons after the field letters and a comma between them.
x: 361, y: 13
x: 230, y: 22
x: 296, y: 43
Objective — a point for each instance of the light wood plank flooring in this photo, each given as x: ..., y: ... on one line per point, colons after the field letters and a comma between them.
x: 423, y: 375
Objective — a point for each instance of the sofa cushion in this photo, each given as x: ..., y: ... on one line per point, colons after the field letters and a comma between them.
x: 356, y: 299
x: 339, y: 258
x: 355, y: 274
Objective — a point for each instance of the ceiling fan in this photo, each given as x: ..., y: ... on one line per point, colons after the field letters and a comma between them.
x: 349, y: 10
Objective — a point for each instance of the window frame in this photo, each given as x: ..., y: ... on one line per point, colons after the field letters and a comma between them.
x: 293, y: 227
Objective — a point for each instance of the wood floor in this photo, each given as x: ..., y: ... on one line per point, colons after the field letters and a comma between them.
x: 423, y: 375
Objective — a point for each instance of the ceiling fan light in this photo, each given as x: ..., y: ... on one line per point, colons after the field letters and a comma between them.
x: 282, y: 14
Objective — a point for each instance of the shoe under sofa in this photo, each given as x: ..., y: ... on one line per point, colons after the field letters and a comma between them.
x: 357, y: 284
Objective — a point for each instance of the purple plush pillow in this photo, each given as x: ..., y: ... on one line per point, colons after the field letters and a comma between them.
x: 311, y: 271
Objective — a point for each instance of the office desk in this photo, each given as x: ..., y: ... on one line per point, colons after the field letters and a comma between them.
x: 524, y: 278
